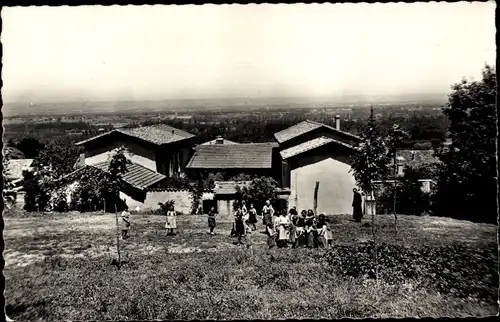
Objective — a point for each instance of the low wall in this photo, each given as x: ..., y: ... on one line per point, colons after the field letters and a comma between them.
x: 183, y: 199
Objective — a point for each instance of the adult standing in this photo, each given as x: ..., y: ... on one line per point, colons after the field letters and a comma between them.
x: 357, y: 210
x: 246, y: 216
x: 239, y: 225
x: 267, y: 213
x: 283, y: 227
x: 252, y: 218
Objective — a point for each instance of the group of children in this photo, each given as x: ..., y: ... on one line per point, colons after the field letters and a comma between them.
x: 298, y: 231
x: 282, y: 229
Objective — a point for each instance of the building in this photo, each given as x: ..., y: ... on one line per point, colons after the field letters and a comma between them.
x: 225, y: 196
x: 138, y: 181
x: 219, y: 140
x: 160, y: 148
x: 312, y: 152
x: 260, y: 159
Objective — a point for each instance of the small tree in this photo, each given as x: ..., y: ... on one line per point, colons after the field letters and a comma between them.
x: 395, y: 138
x: 258, y: 191
x: 370, y: 162
x: 113, y: 180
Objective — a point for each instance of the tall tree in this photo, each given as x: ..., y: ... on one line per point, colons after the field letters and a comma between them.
x: 467, y: 185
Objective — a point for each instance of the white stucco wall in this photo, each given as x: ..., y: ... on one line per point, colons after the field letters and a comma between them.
x: 335, y: 187
x: 148, y: 163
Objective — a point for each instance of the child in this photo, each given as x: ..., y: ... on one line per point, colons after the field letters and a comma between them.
x: 126, y: 223
x: 252, y: 217
x: 321, y: 232
x: 271, y: 235
x: 300, y: 240
x: 211, y: 221
x: 309, y: 229
x: 171, y: 221
x: 246, y: 216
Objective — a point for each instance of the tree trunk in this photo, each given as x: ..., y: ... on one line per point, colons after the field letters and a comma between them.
x: 316, y: 197
x: 372, y: 196
x: 118, y: 238
x: 394, y: 195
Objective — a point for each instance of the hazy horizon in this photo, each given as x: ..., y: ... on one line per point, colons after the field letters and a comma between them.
x: 319, y: 51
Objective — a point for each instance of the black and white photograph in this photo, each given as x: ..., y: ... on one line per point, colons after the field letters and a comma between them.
x: 258, y: 161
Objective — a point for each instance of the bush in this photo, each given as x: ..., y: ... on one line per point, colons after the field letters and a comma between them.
x: 449, y: 269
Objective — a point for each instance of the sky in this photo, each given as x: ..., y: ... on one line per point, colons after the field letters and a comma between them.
x: 218, y: 51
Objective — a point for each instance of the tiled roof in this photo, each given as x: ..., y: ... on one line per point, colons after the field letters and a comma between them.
x: 15, y: 167
x: 137, y: 175
x: 309, y: 145
x: 304, y: 127
x: 232, y: 156
x: 156, y: 134
x: 418, y: 158
x: 228, y: 187
x: 215, y: 142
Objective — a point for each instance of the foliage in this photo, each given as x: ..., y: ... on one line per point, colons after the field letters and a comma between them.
x: 450, y: 267
x: 12, y: 153
x: 221, y: 282
x: 197, y: 194
x: 467, y: 185
x: 165, y: 207
x: 371, y: 160
x: 29, y: 146
x: 87, y: 195
x: 258, y: 191
x: 58, y: 158
x: 113, y: 183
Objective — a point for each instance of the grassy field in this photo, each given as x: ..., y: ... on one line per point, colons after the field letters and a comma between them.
x: 58, y: 266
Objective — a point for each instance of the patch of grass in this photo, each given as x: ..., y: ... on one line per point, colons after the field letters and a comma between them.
x: 59, y: 267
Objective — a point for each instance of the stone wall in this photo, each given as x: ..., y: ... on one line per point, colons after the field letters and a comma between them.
x: 182, y: 198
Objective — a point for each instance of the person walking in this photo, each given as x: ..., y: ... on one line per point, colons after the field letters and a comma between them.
x: 357, y: 209
x: 171, y: 223
x: 211, y: 221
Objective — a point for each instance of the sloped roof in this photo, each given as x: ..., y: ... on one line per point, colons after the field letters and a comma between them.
x: 156, y: 134
x: 137, y: 175
x: 418, y: 158
x: 228, y: 187
x: 309, y: 145
x: 215, y: 142
x: 15, y: 167
x: 232, y: 156
x: 305, y: 127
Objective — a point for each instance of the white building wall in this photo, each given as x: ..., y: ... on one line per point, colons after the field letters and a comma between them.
x: 335, y: 187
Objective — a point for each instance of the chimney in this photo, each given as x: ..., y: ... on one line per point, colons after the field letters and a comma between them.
x: 219, y: 140
x: 337, y: 122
